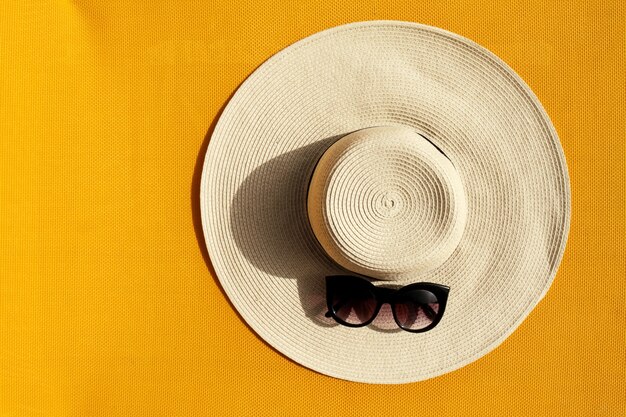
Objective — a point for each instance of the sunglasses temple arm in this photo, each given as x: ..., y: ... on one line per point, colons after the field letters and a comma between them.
x: 335, y: 307
x: 430, y: 313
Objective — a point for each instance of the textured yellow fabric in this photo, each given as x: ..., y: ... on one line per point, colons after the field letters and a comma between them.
x: 107, y: 304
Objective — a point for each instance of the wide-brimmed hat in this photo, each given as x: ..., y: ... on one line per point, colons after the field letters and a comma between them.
x: 395, y: 151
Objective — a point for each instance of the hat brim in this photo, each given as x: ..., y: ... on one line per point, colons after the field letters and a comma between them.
x: 470, y: 104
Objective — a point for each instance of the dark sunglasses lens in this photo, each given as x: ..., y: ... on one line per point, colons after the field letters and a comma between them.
x: 355, y: 305
x: 416, y: 309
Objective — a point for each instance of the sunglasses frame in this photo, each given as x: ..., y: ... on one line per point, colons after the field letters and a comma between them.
x: 385, y: 295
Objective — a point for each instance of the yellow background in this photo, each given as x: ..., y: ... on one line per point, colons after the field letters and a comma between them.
x: 108, y: 303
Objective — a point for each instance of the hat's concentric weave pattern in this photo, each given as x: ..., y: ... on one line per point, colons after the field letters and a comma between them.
x: 269, y: 138
x: 385, y: 203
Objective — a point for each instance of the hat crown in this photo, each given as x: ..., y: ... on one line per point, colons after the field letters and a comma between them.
x: 385, y: 202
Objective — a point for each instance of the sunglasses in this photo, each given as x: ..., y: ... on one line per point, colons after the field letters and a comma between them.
x: 355, y: 302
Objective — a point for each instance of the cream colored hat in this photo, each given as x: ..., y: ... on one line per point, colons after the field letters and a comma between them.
x: 397, y: 151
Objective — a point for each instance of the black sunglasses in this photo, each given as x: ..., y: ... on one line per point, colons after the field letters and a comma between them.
x: 355, y: 302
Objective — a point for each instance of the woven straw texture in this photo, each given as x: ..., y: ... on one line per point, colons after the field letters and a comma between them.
x: 109, y: 303
x: 472, y: 106
x: 386, y: 203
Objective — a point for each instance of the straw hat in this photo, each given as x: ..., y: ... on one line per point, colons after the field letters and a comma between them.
x: 397, y: 151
